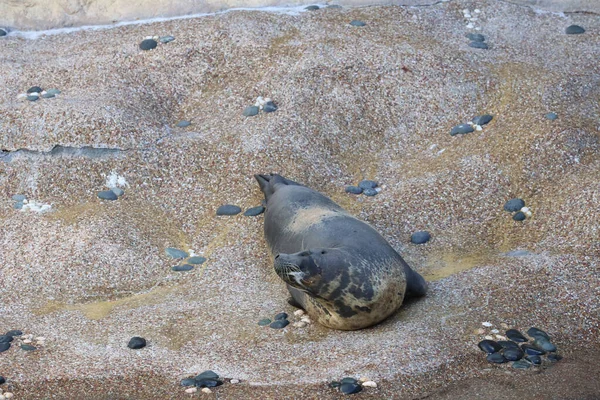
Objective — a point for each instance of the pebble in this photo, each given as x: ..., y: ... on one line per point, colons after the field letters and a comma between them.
x: 574, y: 30
x: 516, y: 336
x: 348, y: 379
x: 420, y: 237
x: 489, y: 346
x: 551, y: 116
x: 353, y: 190
x: 34, y: 89
x: 487, y: 324
x: 369, y: 384
x: 47, y: 95
x: 532, y: 350
x: 544, y: 344
x: 475, y: 37
x: 188, y: 382
x: 182, y: 268
x: 228, y: 209
x: 2, y: 380
x: 234, y: 381
x: 367, y: 184
x: 118, y: 191
x: 514, y: 205
x: 52, y: 92
x: 207, y: 375
x: 176, y: 253
x: 191, y: 390
x: 27, y: 341
x: 250, y: 111
x: 350, y: 388
x: 148, y: 44
x: 166, y: 39
x: 521, y: 364
x: 33, y: 97
x: 196, y: 260
x: 264, y: 322
x: 535, y: 332
x: 4, y: 346
x: 478, y: 45
x: 136, y: 342
x: 520, y: 216
x: 357, y: 22
x: 269, y: 107
x: 183, y: 124
x: 513, y: 354
x: 279, y: 324
x: 482, y: 119
x: 496, y: 358
x: 206, y: 390
x: 508, y: 344
x: 19, y: 197
x: 370, y: 192
x: 281, y: 316
x: 312, y: 8
x: 254, y: 211
x: 6, y: 338
x: 461, y: 129
x: 3, y: 32
x: 299, y: 313
x: 534, y: 359
x: 28, y: 347
x: 299, y: 324
x: 107, y: 195
x: 18, y: 206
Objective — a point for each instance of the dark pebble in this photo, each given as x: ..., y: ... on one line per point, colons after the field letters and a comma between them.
x: 281, y: 315
x: 183, y: 124
x: 28, y: 347
x: 182, y: 268
x: 520, y: 216
x: 476, y: 37
x: 513, y: 354
x: 574, y: 30
x: 4, y: 346
x: 496, y: 358
x: 554, y: 357
x: 228, y: 209
x: 201, y: 383
x: 3, y: 32
x: 478, y: 45
x: 350, y: 388
x: 269, y: 107
x: 14, y: 332
x: 136, y: 342
x: 532, y: 350
x: 489, y: 346
x: 535, y: 360
x: 514, y: 205
x: 461, y: 129
x: 279, y: 324
x: 551, y: 116
x: 420, y: 237
x: 107, y: 195
x: 535, y: 333
x: 264, y: 322
x: 148, y: 44
x: 516, y: 336
x: 353, y: 190
x: 367, y: 184
x: 544, y: 344
x: 357, y: 23
x: 334, y: 384
x: 508, y: 344
x: 196, y: 260
x: 250, y: 111
x: 188, y: 382
x: 254, y: 211
x: 348, y: 379
x: 35, y: 89
x: 207, y: 375
x: 6, y: 338
x: 370, y: 192
x: 33, y: 98
x: 521, y: 364
x: 482, y: 119
x: 312, y: 8
x: 176, y: 253
x: 2, y: 380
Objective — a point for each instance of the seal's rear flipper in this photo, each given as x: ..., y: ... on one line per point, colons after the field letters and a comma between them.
x: 416, y: 286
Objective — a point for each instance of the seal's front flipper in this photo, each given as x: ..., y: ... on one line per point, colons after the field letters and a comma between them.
x: 416, y: 286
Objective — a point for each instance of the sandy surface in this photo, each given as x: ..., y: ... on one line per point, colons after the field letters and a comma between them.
x: 376, y: 102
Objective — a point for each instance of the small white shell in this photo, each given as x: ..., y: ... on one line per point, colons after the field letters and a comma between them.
x: 206, y: 390
x: 494, y: 331
x: 488, y: 337
x: 369, y: 384
x: 486, y: 323
x: 191, y: 390
x: 234, y: 381
x: 524, y: 209
x: 298, y: 313
x: 27, y: 341
x: 299, y: 324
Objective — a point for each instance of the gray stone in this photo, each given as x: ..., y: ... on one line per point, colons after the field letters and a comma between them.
x: 3, y: 32
x: 478, y: 45
x: 551, y: 116
x: 182, y: 268
x: 353, y: 190
x: 482, y: 119
x: 176, y: 253
x: 19, y: 197
x: 254, y: 211
x: 357, y: 23
x: 228, y: 209
x: 183, y: 124
x: 279, y: 324
x: 107, y: 195
x: 33, y: 98
x: 269, y: 107
x: 196, y: 260
x: 461, y: 129
x: 166, y: 39
x: 574, y: 30
x: 420, y: 237
x: 28, y: 347
x: 312, y: 8
x: 476, y: 37
x: 367, y: 184
x: 136, y: 343
x: 35, y: 89
x: 118, y: 191
x: 250, y: 111
x: 370, y: 192
x: 53, y: 92
x: 148, y: 44
x: 18, y: 205
x: 514, y: 205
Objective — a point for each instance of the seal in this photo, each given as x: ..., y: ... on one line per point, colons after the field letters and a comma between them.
x: 339, y: 269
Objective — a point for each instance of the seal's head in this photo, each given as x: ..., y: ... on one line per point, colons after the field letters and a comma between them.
x: 303, y: 270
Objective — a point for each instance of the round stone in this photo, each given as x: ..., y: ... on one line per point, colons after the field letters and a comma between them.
x: 250, y: 111
x: 182, y: 268
x: 357, y: 22
x: 136, y: 342
x: 532, y: 350
x: 6, y: 339
x: 14, y: 332
x: 367, y: 184
x: 311, y: 8
x: 535, y: 360
x: 118, y: 191
x: 551, y: 116
x: 279, y: 324
x: 520, y: 216
x: 475, y: 37
x: 516, y: 336
x: 514, y: 205
x: 196, y: 260
x: 513, y: 354
x: 107, y: 195
x: 544, y: 344
x: 482, y: 119
x: 461, y: 129
x: 478, y: 45
x: 28, y: 347
x: 176, y: 253
x: 489, y: 346
x: 521, y: 364
x: 228, y: 209
x: 188, y: 382
x: 183, y: 124
x: 350, y: 388
x: 370, y: 192
x: 207, y: 375
x: 35, y: 89
x: 353, y: 190
x: 535, y: 333
x: 420, y: 237
x: 496, y: 358
x: 166, y: 39
x: 281, y: 315
x: 269, y: 107
x: 264, y: 322
x: 254, y: 211
x: 148, y: 44
x: 574, y: 30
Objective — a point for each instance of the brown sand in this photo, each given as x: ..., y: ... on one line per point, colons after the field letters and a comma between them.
x: 376, y: 102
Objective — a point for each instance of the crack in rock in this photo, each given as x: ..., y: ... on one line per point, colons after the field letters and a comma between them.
x: 96, y: 153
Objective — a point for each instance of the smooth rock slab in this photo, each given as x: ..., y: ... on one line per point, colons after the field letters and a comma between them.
x: 182, y: 268
x: 574, y: 30
x: 196, y: 260
x: 420, y: 237
x: 357, y: 23
x: 250, y: 111
x: 461, y: 129
x: 136, y: 343
x: 353, y: 190
x: 107, y: 195
x: 183, y: 124
x: 28, y: 347
x: 478, y: 45
x: 482, y: 119
x: 176, y: 253
x: 228, y: 209
x: 254, y: 211
x: 148, y: 44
